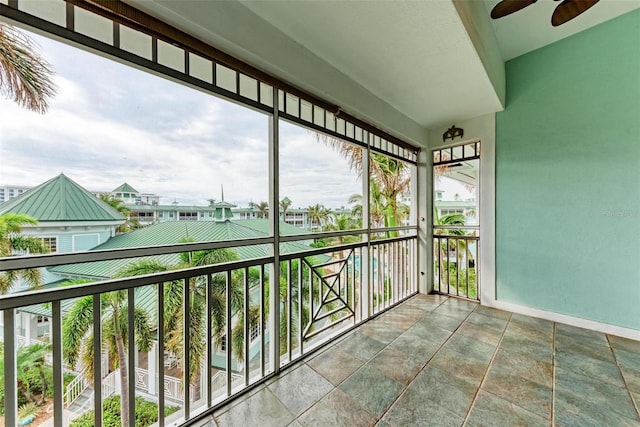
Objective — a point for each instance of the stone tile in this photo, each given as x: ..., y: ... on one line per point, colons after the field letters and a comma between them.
x: 373, y: 390
x: 295, y: 423
x: 492, y: 312
x: 487, y: 321
x: 529, y: 332
x: 361, y: 346
x: 462, y: 304
x: 410, y: 312
x: 490, y: 410
x: 262, y: 409
x: 380, y: 331
x: 573, y: 410
x: 428, y: 331
x: 460, y: 365
x: 594, y: 395
x: 437, y: 386
x: 335, y: 365
x: 444, y: 321
x: 337, y: 409
x: 572, y: 345
x: 420, y: 349
x: 519, y: 365
x: 452, y: 311
x: 396, y: 320
x: 471, y: 347
x: 397, y: 365
x: 489, y: 336
x: 629, y: 364
x: 534, y: 322
x: 300, y: 389
x: 428, y: 304
x: 620, y: 343
x: 527, y: 394
x: 411, y: 409
x: 589, y: 366
x: 521, y: 346
x: 584, y: 335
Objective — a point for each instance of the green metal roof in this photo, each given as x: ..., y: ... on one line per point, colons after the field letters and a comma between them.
x: 171, y: 232
x: 125, y: 188
x: 61, y: 199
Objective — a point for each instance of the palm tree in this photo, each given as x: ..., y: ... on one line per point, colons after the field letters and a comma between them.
x: 263, y: 209
x: 25, y: 77
x: 377, y: 206
x: 11, y: 242
x: 30, y: 358
x: 318, y: 215
x: 174, y: 303
x: 117, y: 204
x: 388, y: 177
x: 284, y: 205
x: 442, y: 250
x: 340, y: 223
x: 77, y: 337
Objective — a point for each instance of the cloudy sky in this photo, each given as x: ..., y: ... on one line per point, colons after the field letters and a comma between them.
x: 110, y: 124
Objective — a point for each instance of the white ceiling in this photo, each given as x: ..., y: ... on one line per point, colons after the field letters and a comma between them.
x: 530, y: 28
x: 401, y: 62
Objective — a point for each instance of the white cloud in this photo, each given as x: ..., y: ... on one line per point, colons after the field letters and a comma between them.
x: 110, y: 123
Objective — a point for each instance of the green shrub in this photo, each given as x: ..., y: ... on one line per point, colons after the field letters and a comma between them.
x: 146, y: 413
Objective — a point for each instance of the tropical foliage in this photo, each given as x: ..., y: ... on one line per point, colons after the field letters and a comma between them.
x: 117, y: 204
x: 146, y: 413
x: 77, y: 336
x: 25, y: 77
x: 12, y: 243
x: 262, y: 207
x: 33, y: 373
x: 389, y: 180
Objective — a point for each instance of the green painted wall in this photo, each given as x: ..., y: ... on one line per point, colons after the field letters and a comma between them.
x: 568, y: 177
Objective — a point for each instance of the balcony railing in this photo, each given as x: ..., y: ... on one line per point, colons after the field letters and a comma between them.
x: 456, y: 255
x: 237, y: 323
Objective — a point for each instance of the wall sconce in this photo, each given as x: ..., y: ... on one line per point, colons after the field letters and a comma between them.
x: 452, y: 132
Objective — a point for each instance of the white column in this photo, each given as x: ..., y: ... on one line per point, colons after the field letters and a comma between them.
x: 152, y: 362
x: 424, y: 205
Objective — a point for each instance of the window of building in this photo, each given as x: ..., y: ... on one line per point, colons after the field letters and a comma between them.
x: 188, y: 216
x: 51, y: 243
x: 42, y: 319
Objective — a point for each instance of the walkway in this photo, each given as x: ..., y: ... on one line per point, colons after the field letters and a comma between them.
x: 438, y: 361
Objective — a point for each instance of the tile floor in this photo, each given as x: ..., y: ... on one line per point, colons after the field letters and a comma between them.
x: 438, y: 361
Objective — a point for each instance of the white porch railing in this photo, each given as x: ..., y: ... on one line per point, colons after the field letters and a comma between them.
x: 322, y: 293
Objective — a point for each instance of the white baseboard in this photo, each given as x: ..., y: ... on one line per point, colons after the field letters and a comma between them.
x: 620, y: 331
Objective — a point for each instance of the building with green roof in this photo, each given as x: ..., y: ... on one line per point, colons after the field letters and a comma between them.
x: 70, y: 218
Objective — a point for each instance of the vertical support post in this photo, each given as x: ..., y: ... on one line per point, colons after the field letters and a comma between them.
x: 247, y: 331
x: 131, y: 355
x: 274, y: 229
x: 422, y: 189
x: 365, y: 252
x: 56, y: 340
x: 228, y: 330
x: 10, y: 369
x: 209, y: 334
x: 97, y: 360
x: 186, y: 328
x: 160, y: 355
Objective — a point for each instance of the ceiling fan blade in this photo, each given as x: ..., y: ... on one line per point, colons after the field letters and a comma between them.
x: 569, y: 9
x: 507, y: 7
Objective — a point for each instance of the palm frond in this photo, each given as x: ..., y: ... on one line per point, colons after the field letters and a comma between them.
x: 24, y: 75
